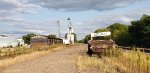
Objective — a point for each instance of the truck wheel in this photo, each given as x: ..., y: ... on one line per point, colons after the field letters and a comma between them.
x: 89, y: 52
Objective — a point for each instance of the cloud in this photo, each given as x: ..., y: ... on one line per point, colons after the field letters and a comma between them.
x: 76, y: 5
x: 11, y: 12
x: 14, y: 8
x: 11, y: 8
x: 24, y: 26
x: 104, y: 20
x: 110, y: 18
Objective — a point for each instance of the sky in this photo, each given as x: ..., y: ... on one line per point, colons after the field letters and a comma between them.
x: 20, y: 17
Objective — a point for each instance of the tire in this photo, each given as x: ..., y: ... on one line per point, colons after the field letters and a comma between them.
x: 89, y: 52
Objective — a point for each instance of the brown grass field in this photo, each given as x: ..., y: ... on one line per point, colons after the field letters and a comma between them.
x: 116, y: 61
x: 10, y: 56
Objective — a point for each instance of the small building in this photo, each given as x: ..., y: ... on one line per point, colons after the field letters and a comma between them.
x: 21, y: 42
x: 52, y: 41
x: 39, y: 40
x: 44, y: 40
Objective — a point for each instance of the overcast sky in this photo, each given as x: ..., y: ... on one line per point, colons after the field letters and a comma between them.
x: 40, y: 16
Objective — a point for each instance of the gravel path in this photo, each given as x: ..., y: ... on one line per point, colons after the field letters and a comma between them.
x: 55, y: 62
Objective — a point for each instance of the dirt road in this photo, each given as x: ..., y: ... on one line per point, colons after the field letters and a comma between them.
x: 56, y: 62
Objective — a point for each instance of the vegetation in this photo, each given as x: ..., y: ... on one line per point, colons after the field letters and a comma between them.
x: 21, y: 58
x: 116, y: 61
x: 86, y: 39
x: 119, y: 34
x: 3, y: 35
x: 27, y: 37
x: 9, y: 56
x: 95, y: 65
x: 52, y: 36
x: 140, y: 31
x: 133, y: 61
x: 13, y: 52
x: 137, y: 34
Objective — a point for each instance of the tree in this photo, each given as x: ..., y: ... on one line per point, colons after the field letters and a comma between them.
x: 75, y: 37
x: 140, y: 31
x: 81, y: 41
x: 27, y: 38
x: 100, y: 30
x: 120, y: 34
x: 51, y: 36
x: 117, y: 29
x: 86, y: 39
x: 3, y: 35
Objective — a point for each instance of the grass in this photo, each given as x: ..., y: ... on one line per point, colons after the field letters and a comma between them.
x: 100, y: 65
x: 21, y: 58
x: 13, y: 52
x: 116, y: 61
x: 134, y: 61
x: 9, y: 56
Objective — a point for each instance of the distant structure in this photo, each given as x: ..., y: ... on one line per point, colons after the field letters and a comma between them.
x: 70, y: 35
x: 38, y: 40
x: 9, y: 41
x: 58, y: 30
x: 42, y: 40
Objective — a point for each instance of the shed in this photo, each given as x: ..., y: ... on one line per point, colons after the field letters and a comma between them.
x: 38, y: 40
x: 52, y: 41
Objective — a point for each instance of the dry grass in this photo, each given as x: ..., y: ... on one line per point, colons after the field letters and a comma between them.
x: 116, y: 61
x: 10, y: 61
x: 85, y: 64
x: 10, y: 56
x: 13, y: 52
x: 134, y: 61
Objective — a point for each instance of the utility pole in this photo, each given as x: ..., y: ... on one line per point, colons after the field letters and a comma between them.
x: 58, y: 30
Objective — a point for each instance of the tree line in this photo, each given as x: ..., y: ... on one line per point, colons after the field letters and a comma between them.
x: 137, y: 34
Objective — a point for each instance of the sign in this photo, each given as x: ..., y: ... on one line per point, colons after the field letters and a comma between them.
x: 100, y: 34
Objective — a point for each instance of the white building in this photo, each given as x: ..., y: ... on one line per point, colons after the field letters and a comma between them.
x: 70, y: 34
x: 21, y: 42
x: 10, y: 42
x: 70, y: 38
x: 66, y: 41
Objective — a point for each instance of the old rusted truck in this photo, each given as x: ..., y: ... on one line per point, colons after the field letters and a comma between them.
x: 99, y: 46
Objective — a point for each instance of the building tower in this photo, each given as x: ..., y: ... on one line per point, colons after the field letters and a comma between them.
x: 70, y: 35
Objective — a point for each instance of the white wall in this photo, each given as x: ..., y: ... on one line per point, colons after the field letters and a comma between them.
x: 10, y: 42
x: 71, y: 37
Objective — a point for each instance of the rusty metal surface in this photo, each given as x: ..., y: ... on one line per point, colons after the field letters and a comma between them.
x: 101, y: 45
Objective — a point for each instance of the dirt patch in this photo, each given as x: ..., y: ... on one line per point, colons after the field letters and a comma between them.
x: 62, y: 61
